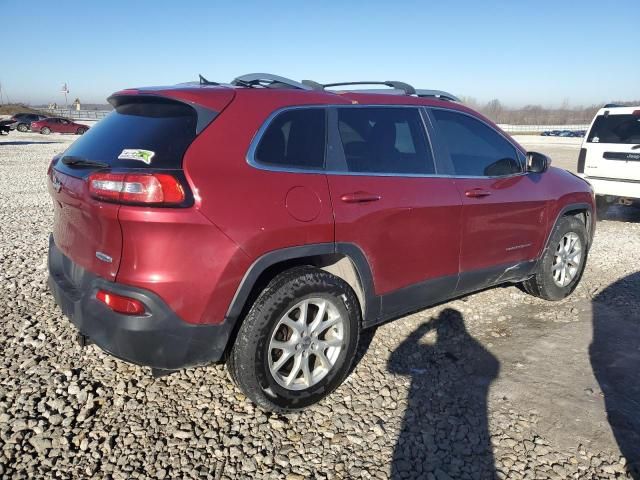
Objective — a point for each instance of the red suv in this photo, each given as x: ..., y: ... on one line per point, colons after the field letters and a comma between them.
x: 268, y: 222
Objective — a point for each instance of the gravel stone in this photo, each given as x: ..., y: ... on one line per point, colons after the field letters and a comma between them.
x: 417, y: 405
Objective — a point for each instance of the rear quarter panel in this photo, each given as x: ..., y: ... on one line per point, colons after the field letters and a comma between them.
x: 256, y: 207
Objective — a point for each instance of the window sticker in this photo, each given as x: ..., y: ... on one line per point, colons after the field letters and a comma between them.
x: 595, y: 139
x: 144, y: 156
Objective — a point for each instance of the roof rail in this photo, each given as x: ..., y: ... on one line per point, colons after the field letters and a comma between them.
x: 613, y: 105
x: 267, y: 80
x: 442, y: 95
x: 405, y: 87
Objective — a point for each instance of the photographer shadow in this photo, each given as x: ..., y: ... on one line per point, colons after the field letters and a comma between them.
x: 445, y: 429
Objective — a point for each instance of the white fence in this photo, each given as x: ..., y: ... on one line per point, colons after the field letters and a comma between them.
x: 76, y: 114
x: 100, y: 114
x: 541, y: 128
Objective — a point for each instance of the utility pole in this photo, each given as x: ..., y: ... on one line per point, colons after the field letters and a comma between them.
x: 65, y: 90
x: 1, y: 102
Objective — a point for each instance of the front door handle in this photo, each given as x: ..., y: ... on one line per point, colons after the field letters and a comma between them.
x: 360, y: 197
x: 477, y: 193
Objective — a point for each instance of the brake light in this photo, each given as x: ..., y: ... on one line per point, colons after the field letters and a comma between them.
x: 636, y: 112
x: 120, y: 303
x: 137, y: 188
x: 582, y: 157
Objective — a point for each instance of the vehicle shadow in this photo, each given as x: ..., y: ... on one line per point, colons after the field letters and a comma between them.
x: 622, y: 213
x: 615, y: 359
x: 445, y: 428
x: 25, y: 142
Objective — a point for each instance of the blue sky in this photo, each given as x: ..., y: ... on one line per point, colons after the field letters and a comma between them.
x: 518, y: 51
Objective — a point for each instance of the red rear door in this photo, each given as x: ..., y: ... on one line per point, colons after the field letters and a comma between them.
x: 391, y: 204
x: 64, y: 126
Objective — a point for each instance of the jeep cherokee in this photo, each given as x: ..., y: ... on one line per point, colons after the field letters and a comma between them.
x: 267, y: 222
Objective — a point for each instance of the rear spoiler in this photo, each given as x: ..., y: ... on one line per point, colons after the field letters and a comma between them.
x: 204, y: 115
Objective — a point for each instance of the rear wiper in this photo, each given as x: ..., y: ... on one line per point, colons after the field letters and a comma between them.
x: 72, y: 161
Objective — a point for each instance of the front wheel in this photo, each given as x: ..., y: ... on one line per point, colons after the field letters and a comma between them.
x: 22, y: 127
x: 45, y: 130
x: 560, y: 269
x: 298, y: 341
x: 81, y: 131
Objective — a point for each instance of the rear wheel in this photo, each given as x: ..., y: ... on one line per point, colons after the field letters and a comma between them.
x: 81, y: 131
x: 298, y: 341
x: 45, y: 130
x: 560, y: 269
x: 22, y: 127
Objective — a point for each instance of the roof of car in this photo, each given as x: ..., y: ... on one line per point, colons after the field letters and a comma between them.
x: 280, y: 92
x: 612, y: 109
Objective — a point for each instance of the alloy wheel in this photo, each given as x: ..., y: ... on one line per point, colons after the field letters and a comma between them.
x: 306, y: 343
x: 567, y: 258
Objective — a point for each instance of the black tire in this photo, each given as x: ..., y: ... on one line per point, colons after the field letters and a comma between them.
x: 45, y: 130
x: 81, y: 131
x: 542, y: 283
x: 22, y: 127
x: 602, y: 206
x: 248, y: 360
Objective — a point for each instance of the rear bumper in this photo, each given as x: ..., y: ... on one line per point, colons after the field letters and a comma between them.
x: 613, y: 187
x: 159, y: 339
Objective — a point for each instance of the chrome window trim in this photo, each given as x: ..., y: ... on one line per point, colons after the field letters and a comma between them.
x: 502, y: 134
x: 255, y: 141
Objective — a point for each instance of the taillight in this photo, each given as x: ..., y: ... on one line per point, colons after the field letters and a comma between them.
x: 137, y: 188
x: 582, y: 156
x: 51, y: 164
x: 120, y: 303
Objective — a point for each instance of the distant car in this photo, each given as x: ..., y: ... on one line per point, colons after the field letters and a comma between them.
x: 23, y: 121
x: 6, y: 126
x: 58, y: 125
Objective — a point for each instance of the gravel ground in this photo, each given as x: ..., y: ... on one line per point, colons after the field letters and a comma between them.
x: 497, y: 384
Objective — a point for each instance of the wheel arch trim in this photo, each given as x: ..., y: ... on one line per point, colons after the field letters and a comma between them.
x: 590, y: 224
x: 272, y: 258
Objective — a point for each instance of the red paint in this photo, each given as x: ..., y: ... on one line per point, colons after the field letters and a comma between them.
x: 58, y: 125
x: 411, y: 234
x: 83, y: 226
x: 303, y: 204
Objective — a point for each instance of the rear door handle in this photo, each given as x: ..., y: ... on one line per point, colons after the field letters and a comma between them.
x: 477, y: 193
x: 360, y: 197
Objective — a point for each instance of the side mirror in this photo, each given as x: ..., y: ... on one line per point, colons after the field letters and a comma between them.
x: 537, y: 162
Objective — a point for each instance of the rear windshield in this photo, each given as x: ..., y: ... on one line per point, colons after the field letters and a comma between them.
x: 615, y: 129
x: 143, y: 133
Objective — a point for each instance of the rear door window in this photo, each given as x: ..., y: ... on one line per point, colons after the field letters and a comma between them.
x: 622, y: 129
x: 384, y: 140
x: 141, y: 133
x: 295, y: 138
x: 476, y: 149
